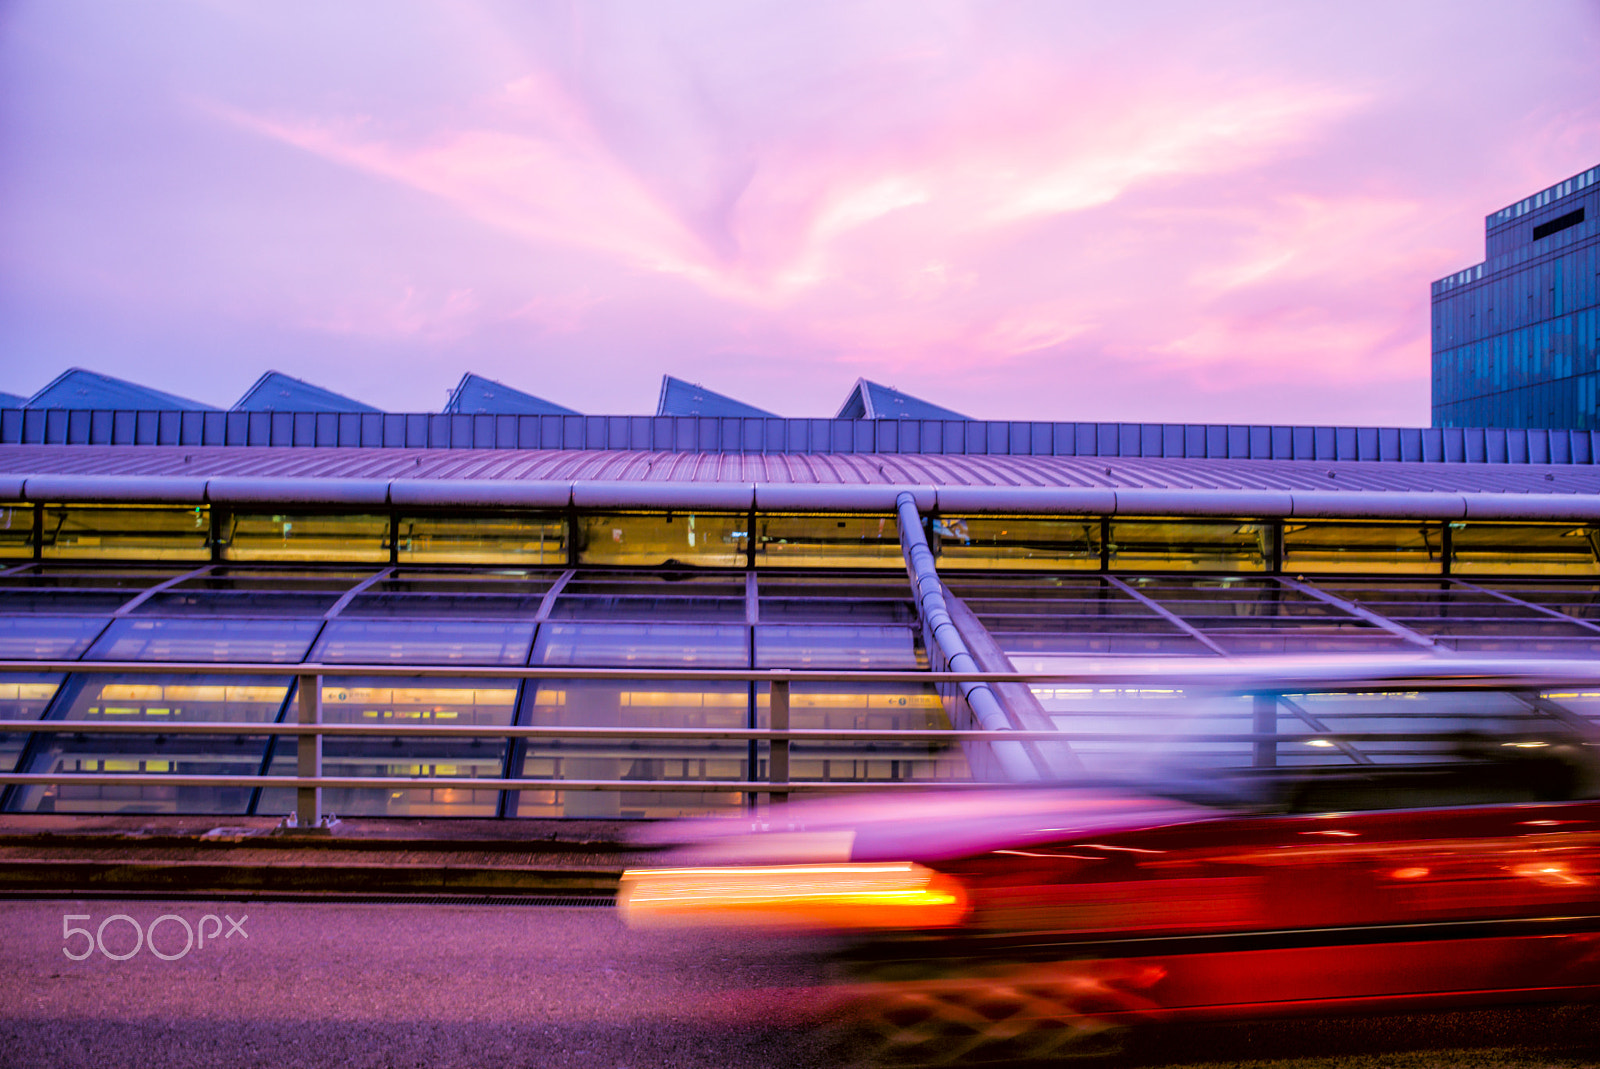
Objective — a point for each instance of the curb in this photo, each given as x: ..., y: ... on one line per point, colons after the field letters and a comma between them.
x: 187, y: 878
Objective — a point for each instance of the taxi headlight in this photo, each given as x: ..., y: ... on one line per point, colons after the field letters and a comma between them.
x: 894, y: 894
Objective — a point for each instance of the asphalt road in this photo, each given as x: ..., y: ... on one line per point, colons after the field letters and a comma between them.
x: 304, y: 984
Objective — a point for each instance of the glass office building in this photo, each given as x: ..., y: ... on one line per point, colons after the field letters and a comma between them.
x: 1515, y: 337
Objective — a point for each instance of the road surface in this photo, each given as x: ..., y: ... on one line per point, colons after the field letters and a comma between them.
x: 283, y: 985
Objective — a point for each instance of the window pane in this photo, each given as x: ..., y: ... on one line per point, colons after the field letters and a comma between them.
x: 1522, y: 549
x: 127, y: 532
x: 16, y: 531
x: 305, y: 537
x: 1184, y: 545
x: 826, y: 541
x: 154, y: 701
x: 844, y: 705
x: 867, y: 706
x: 708, y: 539
x: 240, y: 641
x: 642, y: 645
x: 657, y: 703
x: 424, y: 642
x: 601, y: 703
x: 1019, y: 542
x: 235, y: 603
x: 468, y: 606
x: 22, y: 697
x: 367, y: 701
x: 1362, y: 547
x: 832, y: 646
x: 527, y: 538
x: 47, y: 638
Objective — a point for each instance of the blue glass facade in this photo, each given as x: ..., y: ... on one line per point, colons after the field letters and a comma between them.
x: 1515, y: 337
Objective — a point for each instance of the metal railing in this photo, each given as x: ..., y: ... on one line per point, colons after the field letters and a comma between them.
x: 1269, y: 681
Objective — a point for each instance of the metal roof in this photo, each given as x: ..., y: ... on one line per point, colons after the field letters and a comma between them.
x: 652, y: 479
x: 277, y: 392
x: 869, y: 400
x: 476, y: 394
x: 679, y: 398
x: 76, y: 388
x: 712, y: 434
x: 11, y: 400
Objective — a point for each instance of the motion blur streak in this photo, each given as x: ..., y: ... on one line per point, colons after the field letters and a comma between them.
x: 884, y: 895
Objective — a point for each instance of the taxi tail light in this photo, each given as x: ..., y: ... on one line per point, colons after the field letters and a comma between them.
x: 863, y: 895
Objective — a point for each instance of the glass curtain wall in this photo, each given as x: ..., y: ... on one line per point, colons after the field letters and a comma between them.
x: 638, y: 620
x: 419, y: 618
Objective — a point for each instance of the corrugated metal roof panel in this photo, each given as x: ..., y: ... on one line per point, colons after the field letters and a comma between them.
x: 11, y: 400
x: 817, y: 469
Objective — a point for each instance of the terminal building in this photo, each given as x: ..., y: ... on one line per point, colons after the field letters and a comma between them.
x: 337, y: 544
x: 1516, y: 338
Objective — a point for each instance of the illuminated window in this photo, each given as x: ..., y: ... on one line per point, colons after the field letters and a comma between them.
x: 127, y: 532
x: 1362, y: 547
x: 1017, y: 542
x: 292, y: 536
x: 22, y: 697
x: 698, y: 538
x: 152, y: 701
x: 1523, y: 549
x: 508, y: 539
x: 1190, y: 545
x: 826, y: 541
x: 445, y: 702
x: 16, y: 531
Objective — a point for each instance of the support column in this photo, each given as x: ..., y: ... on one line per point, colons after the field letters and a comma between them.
x: 308, y: 800
x: 1266, y: 723
x: 778, y: 754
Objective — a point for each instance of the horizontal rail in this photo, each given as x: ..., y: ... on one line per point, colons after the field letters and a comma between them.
x: 432, y: 731
x: 396, y: 783
x: 1430, y: 673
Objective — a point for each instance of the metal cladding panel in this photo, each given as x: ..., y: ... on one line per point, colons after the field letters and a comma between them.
x: 300, y: 491
x: 77, y: 388
x: 723, y: 497
x: 680, y: 398
x: 800, y: 497
x: 479, y: 493
x: 95, y: 488
x: 1025, y: 500
x: 884, y: 402
x: 1532, y: 506
x: 478, y: 394
x: 1201, y: 503
x: 1358, y: 504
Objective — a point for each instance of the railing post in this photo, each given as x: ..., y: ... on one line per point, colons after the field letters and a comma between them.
x: 778, y: 754
x: 308, y: 800
x: 1266, y: 723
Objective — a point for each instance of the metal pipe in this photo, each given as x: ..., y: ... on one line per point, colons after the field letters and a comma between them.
x: 1291, y: 676
x: 943, y: 637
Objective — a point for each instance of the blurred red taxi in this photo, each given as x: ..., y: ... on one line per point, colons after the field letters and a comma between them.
x: 1041, y: 920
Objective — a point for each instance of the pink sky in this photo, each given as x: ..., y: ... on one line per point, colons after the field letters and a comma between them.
x: 1187, y: 212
